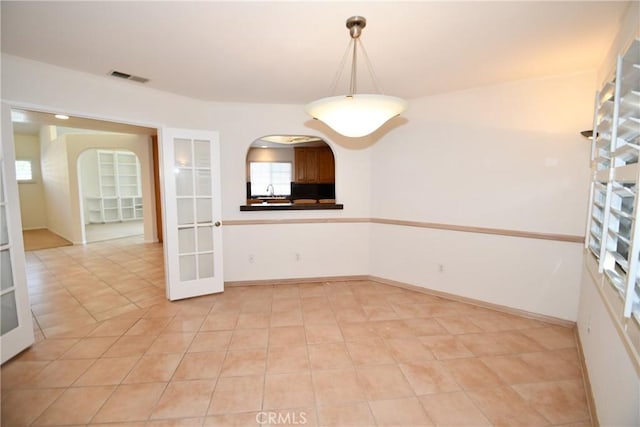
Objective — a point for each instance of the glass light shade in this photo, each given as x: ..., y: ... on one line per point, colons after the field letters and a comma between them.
x: 356, y: 115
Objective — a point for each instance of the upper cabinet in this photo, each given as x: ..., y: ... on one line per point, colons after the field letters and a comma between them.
x: 314, y: 165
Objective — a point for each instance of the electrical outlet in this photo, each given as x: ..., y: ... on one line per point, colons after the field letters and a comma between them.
x: 251, y: 259
x: 441, y: 268
x: 297, y: 256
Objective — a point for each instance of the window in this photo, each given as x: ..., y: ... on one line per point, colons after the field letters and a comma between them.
x: 270, y: 178
x: 24, y: 170
x: 614, y: 221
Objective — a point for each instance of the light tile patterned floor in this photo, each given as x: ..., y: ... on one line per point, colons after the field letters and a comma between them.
x: 338, y: 353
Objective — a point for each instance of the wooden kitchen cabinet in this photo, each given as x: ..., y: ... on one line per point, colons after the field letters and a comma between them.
x: 326, y: 166
x: 314, y: 165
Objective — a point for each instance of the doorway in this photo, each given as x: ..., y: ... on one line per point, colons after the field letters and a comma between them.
x: 77, y: 286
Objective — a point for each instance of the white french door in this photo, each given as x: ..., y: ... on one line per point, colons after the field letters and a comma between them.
x: 15, y: 313
x: 193, y: 232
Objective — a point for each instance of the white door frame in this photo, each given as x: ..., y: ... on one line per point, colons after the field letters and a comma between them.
x: 21, y: 337
x: 12, y: 187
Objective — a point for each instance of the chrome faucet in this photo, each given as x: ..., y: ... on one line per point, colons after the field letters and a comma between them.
x: 270, y: 190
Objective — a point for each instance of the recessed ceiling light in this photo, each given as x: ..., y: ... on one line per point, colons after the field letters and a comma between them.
x: 61, y: 117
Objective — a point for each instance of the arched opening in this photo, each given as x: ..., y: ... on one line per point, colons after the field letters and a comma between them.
x: 290, y: 171
x: 110, y: 187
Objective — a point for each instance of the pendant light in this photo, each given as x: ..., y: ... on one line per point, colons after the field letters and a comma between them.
x: 355, y: 114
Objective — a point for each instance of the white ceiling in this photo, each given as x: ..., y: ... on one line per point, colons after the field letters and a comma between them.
x: 29, y: 122
x: 288, y: 52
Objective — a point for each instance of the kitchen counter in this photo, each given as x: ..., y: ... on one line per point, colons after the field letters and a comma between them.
x: 290, y: 206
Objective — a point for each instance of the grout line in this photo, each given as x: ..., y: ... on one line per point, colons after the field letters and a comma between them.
x: 238, y: 298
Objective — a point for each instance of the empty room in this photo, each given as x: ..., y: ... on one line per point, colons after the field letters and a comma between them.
x: 343, y: 213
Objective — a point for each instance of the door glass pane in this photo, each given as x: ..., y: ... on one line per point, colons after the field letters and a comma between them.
x: 8, y: 313
x: 6, y: 274
x: 203, y: 182
x: 187, y: 267
x: 204, y: 210
x: 205, y: 265
x: 186, y: 240
x: 185, y: 211
x: 183, y: 153
x: 205, y: 239
x: 184, y: 182
x: 201, y: 149
x: 4, y: 234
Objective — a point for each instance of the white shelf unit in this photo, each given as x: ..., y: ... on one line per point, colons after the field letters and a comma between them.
x: 120, y: 188
x: 614, y: 213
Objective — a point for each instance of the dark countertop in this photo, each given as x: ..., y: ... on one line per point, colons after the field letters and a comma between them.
x: 290, y: 206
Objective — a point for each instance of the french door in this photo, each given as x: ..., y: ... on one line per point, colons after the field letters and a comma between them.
x: 15, y: 313
x: 193, y: 232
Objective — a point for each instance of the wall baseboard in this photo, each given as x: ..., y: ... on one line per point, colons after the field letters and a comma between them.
x: 272, y: 282
x: 591, y: 402
x: 495, y: 307
x: 479, y: 303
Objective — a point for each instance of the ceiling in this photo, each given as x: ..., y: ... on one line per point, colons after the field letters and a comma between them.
x: 288, y: 52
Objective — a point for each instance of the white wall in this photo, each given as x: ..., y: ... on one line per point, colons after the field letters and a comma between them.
x: 55, y: 178
x: 263, y: 252
x: 239, y: 125
x: 534, y: 275
x: 89, y: 183
x: 614, y: 379
x: 508, y: 156
x: 31, y: 194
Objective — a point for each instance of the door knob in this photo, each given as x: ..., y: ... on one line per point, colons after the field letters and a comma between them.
x: 217, y: 223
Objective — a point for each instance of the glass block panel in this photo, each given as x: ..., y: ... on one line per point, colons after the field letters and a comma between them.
x: 205, y: 265
x: 186, y: 240
x: 203, y: 210
x: 205, y: 239
x: 185, y: 211
x: 203, y: 182
x: 4, y: 232
x: 6, y: 274
x: 184, y: 182
x: 187, y: 267
x: 183, y: 153
x: 8, y: 312
x: 202, y: 154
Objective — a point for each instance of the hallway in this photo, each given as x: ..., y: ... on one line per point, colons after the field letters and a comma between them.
x: 72, y: 288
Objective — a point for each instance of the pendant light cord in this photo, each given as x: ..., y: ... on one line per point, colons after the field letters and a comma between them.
x: 352, y: 47
x: 372, y: 73
x: 336, y: 78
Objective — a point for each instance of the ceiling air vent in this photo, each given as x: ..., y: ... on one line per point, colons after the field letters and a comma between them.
x: 126, y: 76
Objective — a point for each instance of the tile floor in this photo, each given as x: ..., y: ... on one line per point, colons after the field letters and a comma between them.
x: 112, y: 351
